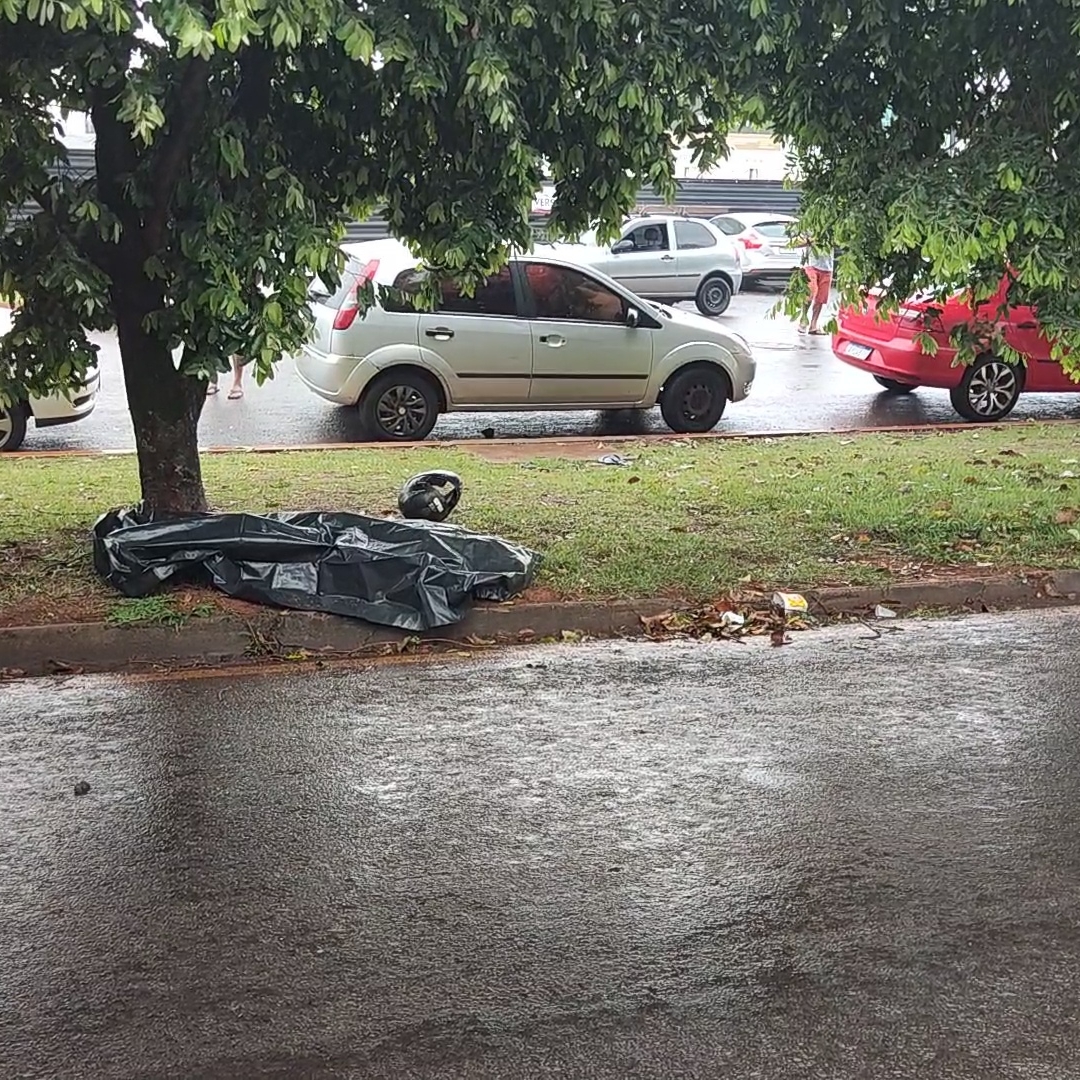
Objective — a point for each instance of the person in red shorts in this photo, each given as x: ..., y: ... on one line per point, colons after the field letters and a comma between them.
x: 819, y: 271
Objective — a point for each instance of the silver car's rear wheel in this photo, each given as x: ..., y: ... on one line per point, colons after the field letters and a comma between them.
x: 988, y: 391
x: 399, y: 406
x: 12, y: 427
x: 713, y: 296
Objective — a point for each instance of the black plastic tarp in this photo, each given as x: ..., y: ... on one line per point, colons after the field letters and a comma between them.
x: 414, y: 575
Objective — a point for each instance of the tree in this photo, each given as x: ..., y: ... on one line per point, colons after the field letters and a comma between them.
x: 938, y: 141
x: 235, y: 138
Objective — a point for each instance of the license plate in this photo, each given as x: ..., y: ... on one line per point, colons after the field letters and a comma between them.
x: 858, y: 352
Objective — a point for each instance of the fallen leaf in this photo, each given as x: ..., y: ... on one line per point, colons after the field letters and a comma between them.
x: 1066, y: 517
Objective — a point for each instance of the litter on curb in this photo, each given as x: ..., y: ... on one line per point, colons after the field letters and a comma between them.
x: 720, y: 621
x: 790, y: 604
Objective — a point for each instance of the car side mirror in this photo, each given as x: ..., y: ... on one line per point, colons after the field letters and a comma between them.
x: 622, y: 245
x: 633, y: 318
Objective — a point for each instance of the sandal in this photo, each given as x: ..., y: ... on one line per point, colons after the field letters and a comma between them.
x: 235, y: 394
x: 212, y: 389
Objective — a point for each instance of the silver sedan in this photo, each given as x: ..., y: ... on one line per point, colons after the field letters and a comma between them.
x: 670, y: 258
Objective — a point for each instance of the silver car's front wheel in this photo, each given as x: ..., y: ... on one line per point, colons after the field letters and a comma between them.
x: 694, y: 398
x: 12, y: 427
x: 988, y: 391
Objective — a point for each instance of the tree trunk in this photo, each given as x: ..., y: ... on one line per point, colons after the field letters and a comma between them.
x: 165, y: 408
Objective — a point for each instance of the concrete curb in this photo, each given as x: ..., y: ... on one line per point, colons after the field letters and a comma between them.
x: 279, y: 635
x: 555, y: 445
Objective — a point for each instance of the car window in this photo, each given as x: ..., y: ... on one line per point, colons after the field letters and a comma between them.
x: 562, y: 293
x: 494, y: 297
x: 346, y: 285
x: 652, y: 236
x: 728, y: 225
x: 774, y: 230
x: 692, y: 235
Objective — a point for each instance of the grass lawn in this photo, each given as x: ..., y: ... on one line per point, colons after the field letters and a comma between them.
x: 686, y: 519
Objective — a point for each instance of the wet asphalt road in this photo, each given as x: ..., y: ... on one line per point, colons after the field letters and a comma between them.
x: 800, y: 386
x: 845, y: 858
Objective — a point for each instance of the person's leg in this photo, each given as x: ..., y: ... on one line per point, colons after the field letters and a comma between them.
x: 811, y: 280
x: 212, y: 385
x: 237, y: 390
x: 820, y: 298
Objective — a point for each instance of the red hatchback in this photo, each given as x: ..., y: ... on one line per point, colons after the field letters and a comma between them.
x: 984, y: 390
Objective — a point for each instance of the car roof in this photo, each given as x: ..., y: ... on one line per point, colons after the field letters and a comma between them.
x: 656, y: 219
x: 750, y: 218
x: 394, y: 257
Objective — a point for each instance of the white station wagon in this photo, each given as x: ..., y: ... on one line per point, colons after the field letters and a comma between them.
x: 544, y: 333
x: 48, y: 411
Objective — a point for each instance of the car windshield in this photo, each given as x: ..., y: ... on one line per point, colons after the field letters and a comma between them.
x: 727, y: 225
x: 774, y: 230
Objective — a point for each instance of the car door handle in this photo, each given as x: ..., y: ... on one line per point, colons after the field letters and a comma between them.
x: 440, y: 333
x: 667, y: 258
x: 1026, y: 325
x: 553, y: 341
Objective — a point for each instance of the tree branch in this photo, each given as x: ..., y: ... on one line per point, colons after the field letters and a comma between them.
x: 252, y: 101
x: 187, y: 113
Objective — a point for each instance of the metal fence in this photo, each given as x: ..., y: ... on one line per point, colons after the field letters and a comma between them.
x: 700, y: 198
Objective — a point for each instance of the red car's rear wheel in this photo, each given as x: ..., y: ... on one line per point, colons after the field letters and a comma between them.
x: 895, y: 387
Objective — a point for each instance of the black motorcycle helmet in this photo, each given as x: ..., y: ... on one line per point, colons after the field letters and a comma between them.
x: 430, y: 496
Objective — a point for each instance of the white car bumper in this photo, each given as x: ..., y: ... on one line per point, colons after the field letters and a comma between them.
x: 67, y: 408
